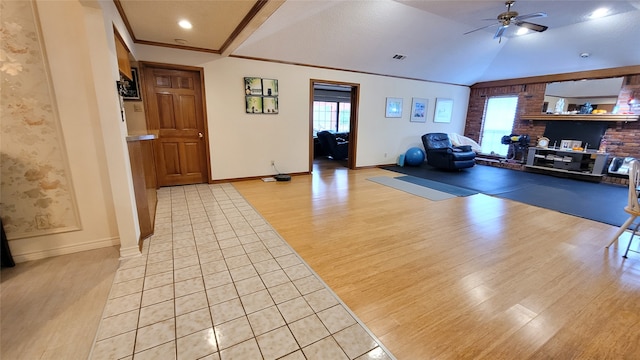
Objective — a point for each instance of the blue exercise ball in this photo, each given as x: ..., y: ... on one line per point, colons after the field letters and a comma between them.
x: 414, y: 156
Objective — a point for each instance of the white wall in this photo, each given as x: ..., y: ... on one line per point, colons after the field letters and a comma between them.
x: 104, y: 67
x: 80, y: 49
x: 243, y: 145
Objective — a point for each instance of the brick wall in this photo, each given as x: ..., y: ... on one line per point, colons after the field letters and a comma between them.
x: 623, y: 139
x: 530, y: 99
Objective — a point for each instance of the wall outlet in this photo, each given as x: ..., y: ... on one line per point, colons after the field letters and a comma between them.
x: 42, y: 222
x: 273, y: 163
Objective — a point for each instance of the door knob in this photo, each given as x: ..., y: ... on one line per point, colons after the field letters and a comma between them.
x: 200, y: 135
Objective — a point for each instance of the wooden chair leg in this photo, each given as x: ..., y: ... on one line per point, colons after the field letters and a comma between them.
x: 624, y: 227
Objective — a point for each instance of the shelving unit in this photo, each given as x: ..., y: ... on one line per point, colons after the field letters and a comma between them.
x: 581, y: 117
x: 585, y: 163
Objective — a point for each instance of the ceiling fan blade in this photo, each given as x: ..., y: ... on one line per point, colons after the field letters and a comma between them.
x: 480, y: 28
x: 500, y: 31
x: 531, y: 26
x: 530, y: 16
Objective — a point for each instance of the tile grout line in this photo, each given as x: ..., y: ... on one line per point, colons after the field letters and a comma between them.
x: 191, y: 200
x: 233, y: 282
x: 357, y: 319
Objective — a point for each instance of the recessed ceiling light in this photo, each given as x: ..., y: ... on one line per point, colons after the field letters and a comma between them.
x: 185, y: 24
x: 599, y: 13
x: 180, y: 41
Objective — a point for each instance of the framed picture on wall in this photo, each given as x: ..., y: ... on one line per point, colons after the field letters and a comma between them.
x: 261, y: 95
x: 269, y: 87
x: 253, y: 86
x: 130, y: 89
x: 419, y: 110
x: 270, y: 105
x: 393, y: 108
x: 444, y: 108
x: 253, y: 104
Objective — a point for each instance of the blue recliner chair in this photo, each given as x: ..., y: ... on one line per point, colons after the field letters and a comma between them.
x: 442, y: 154
x: 337, y: 150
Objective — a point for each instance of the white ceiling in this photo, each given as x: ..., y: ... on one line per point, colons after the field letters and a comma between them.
x: 363, y: 35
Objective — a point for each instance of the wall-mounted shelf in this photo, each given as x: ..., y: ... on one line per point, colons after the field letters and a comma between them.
x: 580, y: 117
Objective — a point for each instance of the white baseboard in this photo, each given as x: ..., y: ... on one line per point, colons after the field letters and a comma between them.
x: 64, y: 250
x: 132, y: 251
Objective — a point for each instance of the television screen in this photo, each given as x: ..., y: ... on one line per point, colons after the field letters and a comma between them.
x: 589, y: 132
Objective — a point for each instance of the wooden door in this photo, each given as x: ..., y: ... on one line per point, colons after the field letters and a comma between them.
x: 175, y: 109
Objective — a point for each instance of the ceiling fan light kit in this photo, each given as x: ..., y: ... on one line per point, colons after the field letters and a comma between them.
x: 512, y: 17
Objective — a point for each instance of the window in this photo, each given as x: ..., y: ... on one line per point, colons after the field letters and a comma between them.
x: 498, y: 122
x: 331, y: 115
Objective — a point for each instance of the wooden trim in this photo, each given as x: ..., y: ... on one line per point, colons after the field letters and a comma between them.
x: 353, y: 126
x: 260, y: 12
x: 243, y: 24
x: 222, y: 181
x: 170, y: 66
x: 176, y: 46
x: 206, y: 125
x: 585, y: 117
x: 353, y: 121
x: 117, y: 34
x: 590, y: 74
x: 122, y: 55
x: 311, y: 144
x: 124, y: 19
x: 339, y: 69
x: 381, y: 166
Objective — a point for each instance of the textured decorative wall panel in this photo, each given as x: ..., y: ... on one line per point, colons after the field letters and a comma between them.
x: 37, y: 194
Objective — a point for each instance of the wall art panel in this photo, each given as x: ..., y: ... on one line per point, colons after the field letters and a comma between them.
x: 36, y: 189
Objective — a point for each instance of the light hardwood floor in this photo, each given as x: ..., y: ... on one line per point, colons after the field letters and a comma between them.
x: 470, y: 277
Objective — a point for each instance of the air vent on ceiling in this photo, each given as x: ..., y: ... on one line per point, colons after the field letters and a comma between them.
x: 399, y: 56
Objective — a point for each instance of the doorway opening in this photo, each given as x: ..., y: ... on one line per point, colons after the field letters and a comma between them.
x: 333, y: 124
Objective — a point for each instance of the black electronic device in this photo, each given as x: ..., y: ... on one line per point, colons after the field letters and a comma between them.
x: 282, y: 177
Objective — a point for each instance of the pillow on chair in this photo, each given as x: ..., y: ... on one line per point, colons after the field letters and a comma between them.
x: 460, y: 140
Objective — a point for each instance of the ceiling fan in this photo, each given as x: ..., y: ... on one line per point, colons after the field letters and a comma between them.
x: 512, y: 17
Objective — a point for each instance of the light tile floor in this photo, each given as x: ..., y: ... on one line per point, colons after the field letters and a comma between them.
x: 215, y: 281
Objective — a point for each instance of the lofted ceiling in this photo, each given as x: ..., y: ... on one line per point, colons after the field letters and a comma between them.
x: 364, y: 35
